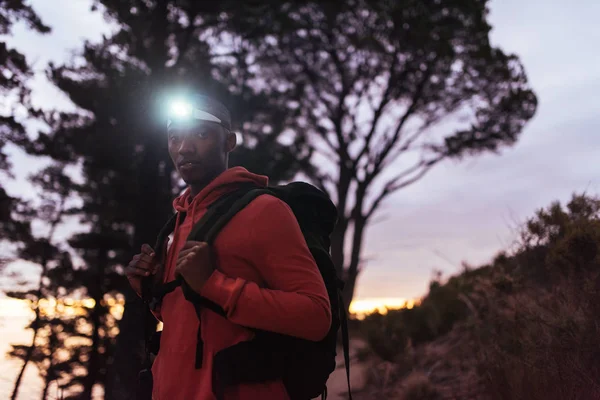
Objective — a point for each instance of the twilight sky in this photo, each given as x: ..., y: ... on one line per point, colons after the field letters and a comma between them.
x: 461, y: 211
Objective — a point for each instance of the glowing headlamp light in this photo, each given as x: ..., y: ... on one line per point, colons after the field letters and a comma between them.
x: 187, y: 110
x: 182, y: 111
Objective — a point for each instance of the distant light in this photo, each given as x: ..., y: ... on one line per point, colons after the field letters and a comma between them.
x: 363, y: 307
x: 181, y: 109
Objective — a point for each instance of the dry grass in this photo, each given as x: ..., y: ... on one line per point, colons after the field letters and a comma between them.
x: 526, y: 327
x: 418, y: 386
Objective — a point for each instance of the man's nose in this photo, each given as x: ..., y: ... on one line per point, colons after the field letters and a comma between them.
x: 186, y: 146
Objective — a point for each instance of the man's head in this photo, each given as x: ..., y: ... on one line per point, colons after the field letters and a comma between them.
x: 200, y: 139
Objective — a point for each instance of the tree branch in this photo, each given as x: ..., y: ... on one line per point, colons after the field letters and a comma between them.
x: 341, y: 107
x: 342, y: 148
x: 378, y: 112
x: 323, y: 133
x: 406, y: 146
x: 321, y: 180
x: 381, y: 157
x: 184, y: 40
x: 327, y: 154
x: 314, y: 80
x: 401, y: 181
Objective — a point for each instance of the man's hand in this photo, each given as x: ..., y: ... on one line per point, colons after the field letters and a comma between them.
x: 141, y: 266
x: 194, y: 264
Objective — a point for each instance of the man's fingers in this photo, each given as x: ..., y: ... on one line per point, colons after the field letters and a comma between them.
x: 143, y: 264
x: 147, y: 249
x: 134, y: 271
x: 186, y: 252
x: 145, y: 259
x: 182, y: 262
x: 189, y: 244
x: 190, y: 247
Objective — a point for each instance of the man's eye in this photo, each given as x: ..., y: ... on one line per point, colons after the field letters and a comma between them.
x: 202, y: 134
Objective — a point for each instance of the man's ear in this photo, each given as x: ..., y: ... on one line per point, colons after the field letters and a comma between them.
x: 230, y: 141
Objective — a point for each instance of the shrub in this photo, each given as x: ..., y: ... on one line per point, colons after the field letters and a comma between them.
x: 386, y: 334
x: 527, y: 326
x: 543, y: 342
x: 417, y: 386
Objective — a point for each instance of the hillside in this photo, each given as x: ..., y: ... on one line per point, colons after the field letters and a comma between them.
x: 525, y: 326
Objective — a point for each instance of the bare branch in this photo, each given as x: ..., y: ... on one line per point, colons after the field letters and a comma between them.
x: 321, y: 180
x: 381, y: 157
x: 378, y: 112
x: 403, y: 180
x: 327, y: 153
x: 185, y: 39
x: 337, y: 112
x: 339, y: 66
x: 314, y: 80
x: 341, y: 107
x: 406, y: 146
x: 324, y: 134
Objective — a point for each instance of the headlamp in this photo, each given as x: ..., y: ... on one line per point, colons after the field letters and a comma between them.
x: 185, y: 112
x: 188, y: 110
x: 180, y: 109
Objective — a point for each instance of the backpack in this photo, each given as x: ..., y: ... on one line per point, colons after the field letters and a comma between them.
x: 303, y: 366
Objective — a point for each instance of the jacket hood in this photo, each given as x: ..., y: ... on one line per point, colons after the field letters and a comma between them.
x: 227, y: 181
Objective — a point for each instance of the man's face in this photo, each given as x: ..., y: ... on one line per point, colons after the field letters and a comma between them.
x: 199, y: 150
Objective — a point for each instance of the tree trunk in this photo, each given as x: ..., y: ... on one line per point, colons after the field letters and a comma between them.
x: 338, y: 236
x: 94, y: 361
x: 153, y: 210
x: 348, y: 292
x: 353, y: 271
x: 46, y: 388
x: 337, y: 246
x: 93, y: 365
x: 36, y: 326
x: 127, y: 362
x: 38, y: 318
x: 50, y: 374
x: 123, y: 374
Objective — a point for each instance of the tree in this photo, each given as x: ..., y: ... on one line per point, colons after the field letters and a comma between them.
x: 385, y: 90
x: 117, y: 136
x: 103, y: 249
x: 40, y: 249
x: 14, y: 72
x: 60, y: 281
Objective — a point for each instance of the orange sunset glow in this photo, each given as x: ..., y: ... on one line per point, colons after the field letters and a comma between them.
x: 71, y: 307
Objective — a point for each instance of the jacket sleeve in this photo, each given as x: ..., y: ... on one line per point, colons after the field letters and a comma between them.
x: 296, y: 302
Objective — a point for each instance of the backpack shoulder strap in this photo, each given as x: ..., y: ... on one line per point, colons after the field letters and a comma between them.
x: 212, y: 215
x: 215, y: 212
x: 237, y: 206
x: 208, y: 231
x: 165, y: 231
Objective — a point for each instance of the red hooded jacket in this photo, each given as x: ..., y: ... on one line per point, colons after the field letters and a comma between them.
x: 266, y: 278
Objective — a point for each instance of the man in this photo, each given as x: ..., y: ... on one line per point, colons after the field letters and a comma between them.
x: 259, y: 269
